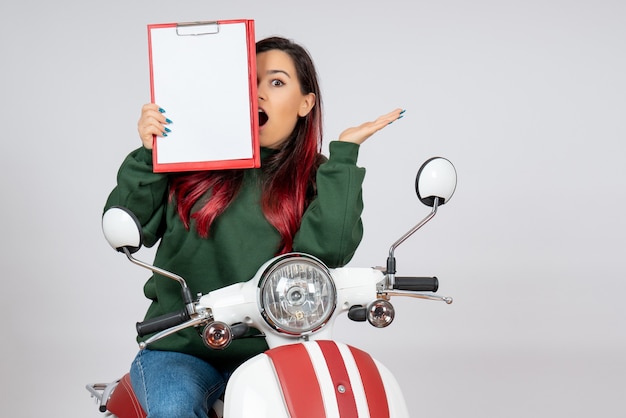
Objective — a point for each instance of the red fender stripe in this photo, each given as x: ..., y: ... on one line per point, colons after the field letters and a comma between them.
x: 300, y: 386
x: 339, y: 376
x: 298, y: 381
x: 372, y: 383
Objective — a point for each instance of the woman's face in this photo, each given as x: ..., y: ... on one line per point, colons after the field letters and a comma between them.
x: 280, y: 100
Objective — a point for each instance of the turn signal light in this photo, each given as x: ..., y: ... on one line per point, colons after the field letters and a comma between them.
x: 217, y: 335
x: 380, y: 313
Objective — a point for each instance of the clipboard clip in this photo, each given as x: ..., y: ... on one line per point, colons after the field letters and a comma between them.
x: 197, y: 28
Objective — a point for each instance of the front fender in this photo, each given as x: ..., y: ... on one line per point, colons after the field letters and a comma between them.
x: 314, y: 379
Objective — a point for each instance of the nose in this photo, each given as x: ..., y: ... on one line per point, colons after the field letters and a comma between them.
x: 260, y: 91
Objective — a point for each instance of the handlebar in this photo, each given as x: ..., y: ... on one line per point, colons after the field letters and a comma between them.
x: 179, y: 318
x: 417, y: 284
x: 162, y: 322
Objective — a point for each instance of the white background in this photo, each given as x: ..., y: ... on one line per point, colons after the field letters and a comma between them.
x: 527, y: 98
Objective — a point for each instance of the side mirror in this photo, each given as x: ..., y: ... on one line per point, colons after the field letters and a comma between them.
x: 123, y: 232
x: 435, y: 178
x: 122, y: 229
x: 435, y: 184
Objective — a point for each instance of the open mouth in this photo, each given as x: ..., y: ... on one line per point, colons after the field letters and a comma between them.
x: 262, y: 117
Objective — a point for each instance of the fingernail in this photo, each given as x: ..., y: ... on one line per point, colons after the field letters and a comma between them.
x: 167, y: 129
x: 399, y: 117
x: 403, y: 110
x: 164, y: 134
x: 161, y: 110
x: 168, y: 121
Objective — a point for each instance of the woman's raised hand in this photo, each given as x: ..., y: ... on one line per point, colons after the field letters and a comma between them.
x: 360, y: 133
x: 152, y: 122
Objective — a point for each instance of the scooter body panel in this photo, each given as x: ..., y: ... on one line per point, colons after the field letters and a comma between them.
x: 252, y: 391
x: 311, y: 380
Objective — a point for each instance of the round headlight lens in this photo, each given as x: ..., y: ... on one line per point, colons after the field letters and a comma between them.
x: 297, y: 294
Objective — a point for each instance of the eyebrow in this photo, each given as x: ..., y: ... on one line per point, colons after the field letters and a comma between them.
x: 269, y: 72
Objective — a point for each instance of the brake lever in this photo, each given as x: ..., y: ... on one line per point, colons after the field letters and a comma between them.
x: 445, y: 299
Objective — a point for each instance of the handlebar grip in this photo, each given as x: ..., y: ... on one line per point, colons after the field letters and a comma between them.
x: 162, y: 322
x: 417, y: 284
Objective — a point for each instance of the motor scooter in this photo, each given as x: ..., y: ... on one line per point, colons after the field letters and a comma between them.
x: 293, y: 300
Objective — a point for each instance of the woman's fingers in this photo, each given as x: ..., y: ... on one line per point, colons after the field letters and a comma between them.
x: 152, y: 122
x: 392, y: 116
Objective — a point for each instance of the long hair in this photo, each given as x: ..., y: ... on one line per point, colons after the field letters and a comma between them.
x: 288, y: 175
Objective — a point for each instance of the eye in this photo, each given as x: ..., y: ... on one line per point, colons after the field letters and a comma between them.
x: 277, y: 83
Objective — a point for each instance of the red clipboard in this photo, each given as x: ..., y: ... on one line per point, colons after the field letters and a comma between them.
x: 204, y: 75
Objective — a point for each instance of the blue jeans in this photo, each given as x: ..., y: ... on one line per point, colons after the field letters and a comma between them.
x: 175, y: 385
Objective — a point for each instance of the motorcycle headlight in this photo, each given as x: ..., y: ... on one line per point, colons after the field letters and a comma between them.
x: 296, y: 294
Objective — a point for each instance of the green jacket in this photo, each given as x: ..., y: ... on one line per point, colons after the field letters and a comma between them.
x: 241, y: 239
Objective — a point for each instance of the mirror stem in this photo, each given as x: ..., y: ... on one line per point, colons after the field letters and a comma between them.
x: 391, y: 260
x: 186, y: 293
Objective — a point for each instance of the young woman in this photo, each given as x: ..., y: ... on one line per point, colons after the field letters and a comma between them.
x: 218, y: 227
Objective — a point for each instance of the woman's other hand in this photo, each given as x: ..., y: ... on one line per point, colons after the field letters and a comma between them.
x: 152, y: 122
x: 359, y: 134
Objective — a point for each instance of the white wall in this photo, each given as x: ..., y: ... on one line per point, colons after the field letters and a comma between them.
x: 527, y: 98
